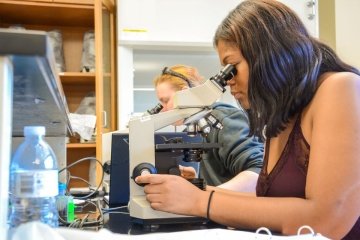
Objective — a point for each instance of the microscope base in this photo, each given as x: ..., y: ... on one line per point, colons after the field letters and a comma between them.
x: 160, y: 221
x: 142, y: 213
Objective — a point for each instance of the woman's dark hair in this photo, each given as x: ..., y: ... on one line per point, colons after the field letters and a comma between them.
x: 284, y: 61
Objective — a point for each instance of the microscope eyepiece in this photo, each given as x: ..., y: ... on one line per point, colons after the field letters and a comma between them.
x: 155, y: 109
x: 225, y: 74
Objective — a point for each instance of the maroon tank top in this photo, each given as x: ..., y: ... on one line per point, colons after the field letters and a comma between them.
x: 288, y: 177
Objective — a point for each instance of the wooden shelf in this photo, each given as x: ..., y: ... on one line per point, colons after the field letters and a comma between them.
x: 81, y: 145
x: 77, y: 78
x: 74, y: 18
x: 88, y: 2
x: 49, y: 13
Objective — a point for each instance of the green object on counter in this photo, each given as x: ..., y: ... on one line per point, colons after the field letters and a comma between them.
x: 65, y: 204
x: 70, y: 210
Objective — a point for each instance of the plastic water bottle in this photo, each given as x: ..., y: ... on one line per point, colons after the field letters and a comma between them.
x: 33, y: 181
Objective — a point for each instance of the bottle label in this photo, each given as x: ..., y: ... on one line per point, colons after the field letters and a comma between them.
x: 33, y: 184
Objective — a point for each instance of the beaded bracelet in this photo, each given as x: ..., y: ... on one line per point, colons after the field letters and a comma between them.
x: 208, y: 206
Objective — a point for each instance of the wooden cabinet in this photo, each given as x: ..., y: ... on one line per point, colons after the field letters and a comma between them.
x: 89, y: 2
x: 74, y: 18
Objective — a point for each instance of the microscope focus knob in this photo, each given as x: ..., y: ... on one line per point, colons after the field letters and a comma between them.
x: 142, y: 169
x: 174, y: 171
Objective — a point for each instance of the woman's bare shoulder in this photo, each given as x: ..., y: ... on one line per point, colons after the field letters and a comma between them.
x: 338, y: 78
x: 337, y: 84
x: 340, y: 89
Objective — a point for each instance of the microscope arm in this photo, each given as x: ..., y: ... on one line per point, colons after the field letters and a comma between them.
x: 202, y: 96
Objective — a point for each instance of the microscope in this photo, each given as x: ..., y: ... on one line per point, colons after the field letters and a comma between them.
x: 191, y: 105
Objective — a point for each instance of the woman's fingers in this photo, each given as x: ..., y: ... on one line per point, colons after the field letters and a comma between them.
x: 187, y: 172
x: 154, y: 198
x: 168, y: 193
x: 156, y: 206
x: 150, y: 178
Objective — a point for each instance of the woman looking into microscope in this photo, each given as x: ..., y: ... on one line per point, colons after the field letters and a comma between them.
x: 306, y: 102
x: 236, y: 164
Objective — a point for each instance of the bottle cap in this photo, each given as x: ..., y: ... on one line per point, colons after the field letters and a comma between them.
x: 62, y: 188
x: 34, y: 130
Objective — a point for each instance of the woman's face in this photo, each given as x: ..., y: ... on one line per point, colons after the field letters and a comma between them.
x: 165, y: 93
x: 239, y: 84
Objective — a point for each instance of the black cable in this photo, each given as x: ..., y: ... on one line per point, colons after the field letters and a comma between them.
x: 113, y: 208
x: 82, y: 160
x: 85, y: 222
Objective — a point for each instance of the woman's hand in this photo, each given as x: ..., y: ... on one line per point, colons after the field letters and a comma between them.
x: 187, y: 172
x: 174, y: 194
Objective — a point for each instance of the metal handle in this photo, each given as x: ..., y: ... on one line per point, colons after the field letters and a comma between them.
x: 104, y: 119
x: 311, y: 4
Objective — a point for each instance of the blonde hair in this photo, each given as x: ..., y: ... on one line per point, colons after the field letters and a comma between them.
x: 179, y: 77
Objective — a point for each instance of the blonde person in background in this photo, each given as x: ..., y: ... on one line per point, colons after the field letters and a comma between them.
x: 306, y: 102
x: 236, y: 164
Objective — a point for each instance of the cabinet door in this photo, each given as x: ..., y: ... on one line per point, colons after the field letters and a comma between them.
x: 105, y: 71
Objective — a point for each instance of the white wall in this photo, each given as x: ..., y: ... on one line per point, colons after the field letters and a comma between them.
x: 187, y: 21
x: 348, y: 30
x: 171, y: 20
